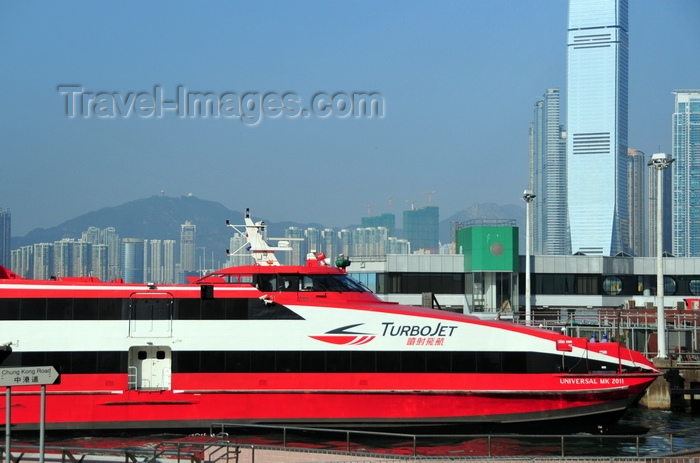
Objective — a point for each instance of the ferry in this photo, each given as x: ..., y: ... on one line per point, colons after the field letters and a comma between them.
x: 267, y: 343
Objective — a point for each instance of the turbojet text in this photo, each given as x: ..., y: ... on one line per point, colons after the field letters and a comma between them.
x: 391, y: 329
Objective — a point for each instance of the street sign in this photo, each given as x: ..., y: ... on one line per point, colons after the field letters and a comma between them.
x: 30, y: 376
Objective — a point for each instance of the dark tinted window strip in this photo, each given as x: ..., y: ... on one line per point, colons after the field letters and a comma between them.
x: 319, y: 362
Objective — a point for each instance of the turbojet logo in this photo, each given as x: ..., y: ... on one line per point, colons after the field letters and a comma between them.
x: 343, y: 336
x: 416, y: 335
x: 248, y: 107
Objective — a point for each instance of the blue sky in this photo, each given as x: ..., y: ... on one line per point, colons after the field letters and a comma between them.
x: 458, y: 80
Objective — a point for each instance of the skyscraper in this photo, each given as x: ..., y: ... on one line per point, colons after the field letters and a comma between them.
x: 5, y: 231
x: 188, y: 233
x: 686, y: 172
x: 548, y: 177
x: 636, y: 173
x: 421, y: 228
x: 596, y: 144
x: 667, y: 219
x: 133, y: 260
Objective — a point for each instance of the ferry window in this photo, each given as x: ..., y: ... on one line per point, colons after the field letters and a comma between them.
x: 488, y: 362
x: 236, y: 309
x: 238, y: 362
x: 612, y: 285
x: 33, y: 309
x: 186, y: 362
x: 413, y: 362
x: 307, y: 284
x: 143, y: 355
x: 9, y: 309
x: 109, y: 309
x: 437, y: 362
x: 514, y: 362
x: 267, y: 282
x: 188, y: 309
x: 389, y: 362
x: 213, y: 309
x: 338, y: 362
x: 262, y: 361
x: 85, y: 309
x: 694, y: 286
x: 313, y: 362
x: 35, y: 359
x: 83, y: 362
x: 364, y: 362
x: 463, y: 362
x: 110, y: 362
x: 160, y: 355
x: 288, y: 362
x: 161, y: 308
x: 211, y: 361
x: 289, y: 283
x: 59, y: 309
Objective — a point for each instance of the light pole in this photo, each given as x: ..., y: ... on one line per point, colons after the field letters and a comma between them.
x: 528, y: 197
x: 660, y: 161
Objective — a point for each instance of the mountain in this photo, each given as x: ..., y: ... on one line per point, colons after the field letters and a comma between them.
x: 160, y: 217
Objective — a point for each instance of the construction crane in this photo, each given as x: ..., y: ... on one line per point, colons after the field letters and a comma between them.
x: 413, y: 203
x: 369, y: 209
x: 390, y: 198
x: 430, y: 195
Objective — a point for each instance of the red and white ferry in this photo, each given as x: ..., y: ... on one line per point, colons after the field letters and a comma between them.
x: 307, y: 345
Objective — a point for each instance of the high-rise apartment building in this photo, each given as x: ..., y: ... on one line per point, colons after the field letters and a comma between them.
x: 169, y: 261
x: 297, y: 255
x: 686, y: 174
x: 596, y: 143
x: 188, y: 234
x: 636, y: 204
x: 99, y: 258
x: 548, y: 177
x: 43, y: 261
x: 421, y: 228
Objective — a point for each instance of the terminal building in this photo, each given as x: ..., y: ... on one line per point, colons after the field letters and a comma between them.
x: 486, y: 278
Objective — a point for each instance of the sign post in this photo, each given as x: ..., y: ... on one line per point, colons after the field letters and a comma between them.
x: 27, y: 376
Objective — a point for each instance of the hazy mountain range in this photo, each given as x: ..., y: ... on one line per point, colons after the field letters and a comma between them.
x: 160, y: 217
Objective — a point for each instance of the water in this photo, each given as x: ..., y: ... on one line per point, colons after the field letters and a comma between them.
x: 667, y: 432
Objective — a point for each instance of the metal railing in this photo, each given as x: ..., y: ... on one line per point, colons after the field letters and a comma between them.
x: 493, y: 445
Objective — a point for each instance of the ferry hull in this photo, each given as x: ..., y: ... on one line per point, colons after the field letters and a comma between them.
x: 377, y: 401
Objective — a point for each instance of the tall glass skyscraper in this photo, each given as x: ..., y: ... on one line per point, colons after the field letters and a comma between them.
x: 636, y: 203
x: 548, y: 177
x: 421, y: 228
x: 596, y: 145
x: 686, y: 174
